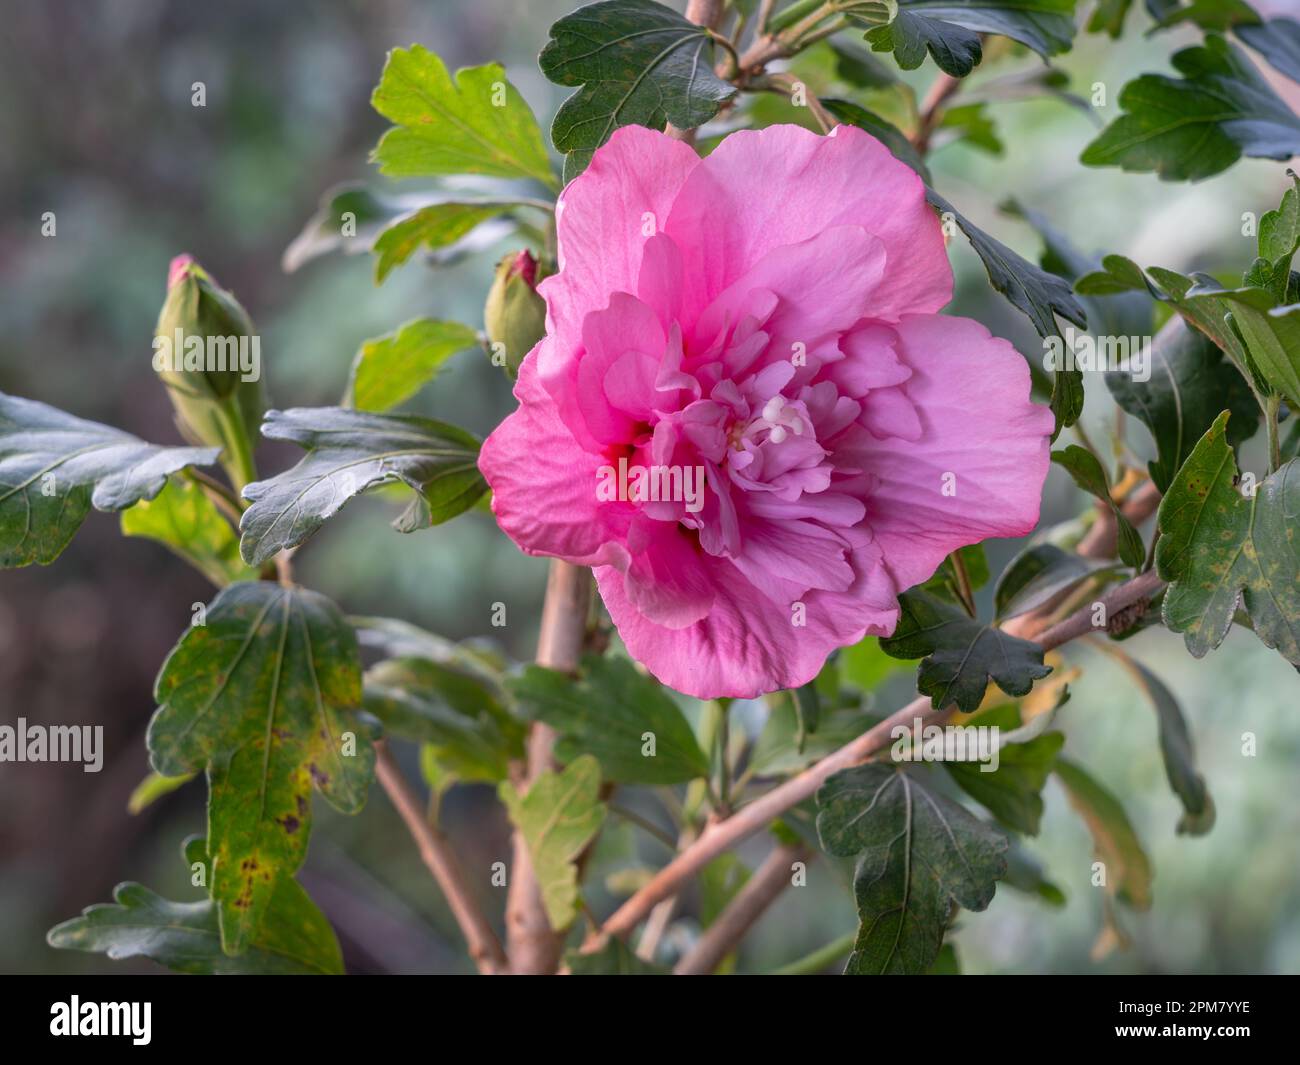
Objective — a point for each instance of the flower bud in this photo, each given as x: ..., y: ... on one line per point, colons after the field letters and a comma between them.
x: 515, y: 315
x: 208, y: 356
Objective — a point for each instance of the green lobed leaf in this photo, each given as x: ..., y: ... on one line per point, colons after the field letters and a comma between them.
x: 961, y: 655
x: 1279, y: 237
x: 1086, y: 471
x: 261, y: 695
x: 185, y: 937
x: 184, y: 519
x: 558, y: 817
x: 475, y: 124
x: 54, y: 468
x: 955, y: 49
x: 390, y: 369
x: 349, y: 451
x: 1219, y: 550
x: 950, y: 29
x: 1039, y: 574
x: 1128, y: 870
x: 639, y: 63
x: 612, y: 711
x: 918, y: 853
x: 449, y: 709
x: 1190, y: 384
x: 1195, y: 126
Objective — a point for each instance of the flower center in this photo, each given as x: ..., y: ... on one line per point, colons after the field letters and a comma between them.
x: 777, y: 419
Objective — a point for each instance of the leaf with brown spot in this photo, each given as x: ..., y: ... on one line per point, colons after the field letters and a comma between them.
x: 262, y: 697
x: 1219, y: 549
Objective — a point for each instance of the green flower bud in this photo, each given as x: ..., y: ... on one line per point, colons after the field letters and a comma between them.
x: 515, y: 315
x: 210, y: 359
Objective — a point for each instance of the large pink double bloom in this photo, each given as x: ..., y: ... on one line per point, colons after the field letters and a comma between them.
x: 767, y: 314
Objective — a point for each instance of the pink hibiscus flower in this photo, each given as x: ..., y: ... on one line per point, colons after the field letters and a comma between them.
x: 756, y: 333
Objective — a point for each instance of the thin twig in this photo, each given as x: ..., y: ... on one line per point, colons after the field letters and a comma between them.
x: 943, y: 87
x: 484, y: 947
x: 738, y: 917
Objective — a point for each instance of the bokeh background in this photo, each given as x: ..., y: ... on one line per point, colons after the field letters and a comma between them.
x: 98, y: 127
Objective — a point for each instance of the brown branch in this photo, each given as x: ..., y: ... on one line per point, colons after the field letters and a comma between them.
x: 723, y: 835
x: 533, y: 945
x: 751, y: 902
x: 484, y: 947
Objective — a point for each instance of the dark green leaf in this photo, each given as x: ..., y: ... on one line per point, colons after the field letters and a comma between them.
x: 950, y: 29
x: 1128, y: 870
x: 1039, y: 574
x: 558, y: 817
x: 349, y: 451
x: 54, y: 467
x: 261, y: 694
x: 614, y: 712
x: 296, y: 939
x: 1013, y: 791
x: 454, y: 711
x: 955, y: 49
x: 476, y: 124
x: 390, y: 369
x: 962, y: 655
x: 1219, y: 550
x: 639, y: 63
x: 1190, y: 384
x: 184, y: 519
x: 918, y: 853
x: 1086, y: 471
x: 1198, y: 125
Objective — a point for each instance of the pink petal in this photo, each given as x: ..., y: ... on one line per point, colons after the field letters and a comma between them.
x: 761, y: 189
x: 980, y: 436
x: 544, y: 483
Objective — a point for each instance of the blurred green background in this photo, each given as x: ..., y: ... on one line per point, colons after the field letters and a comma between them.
x: 96, y: 117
